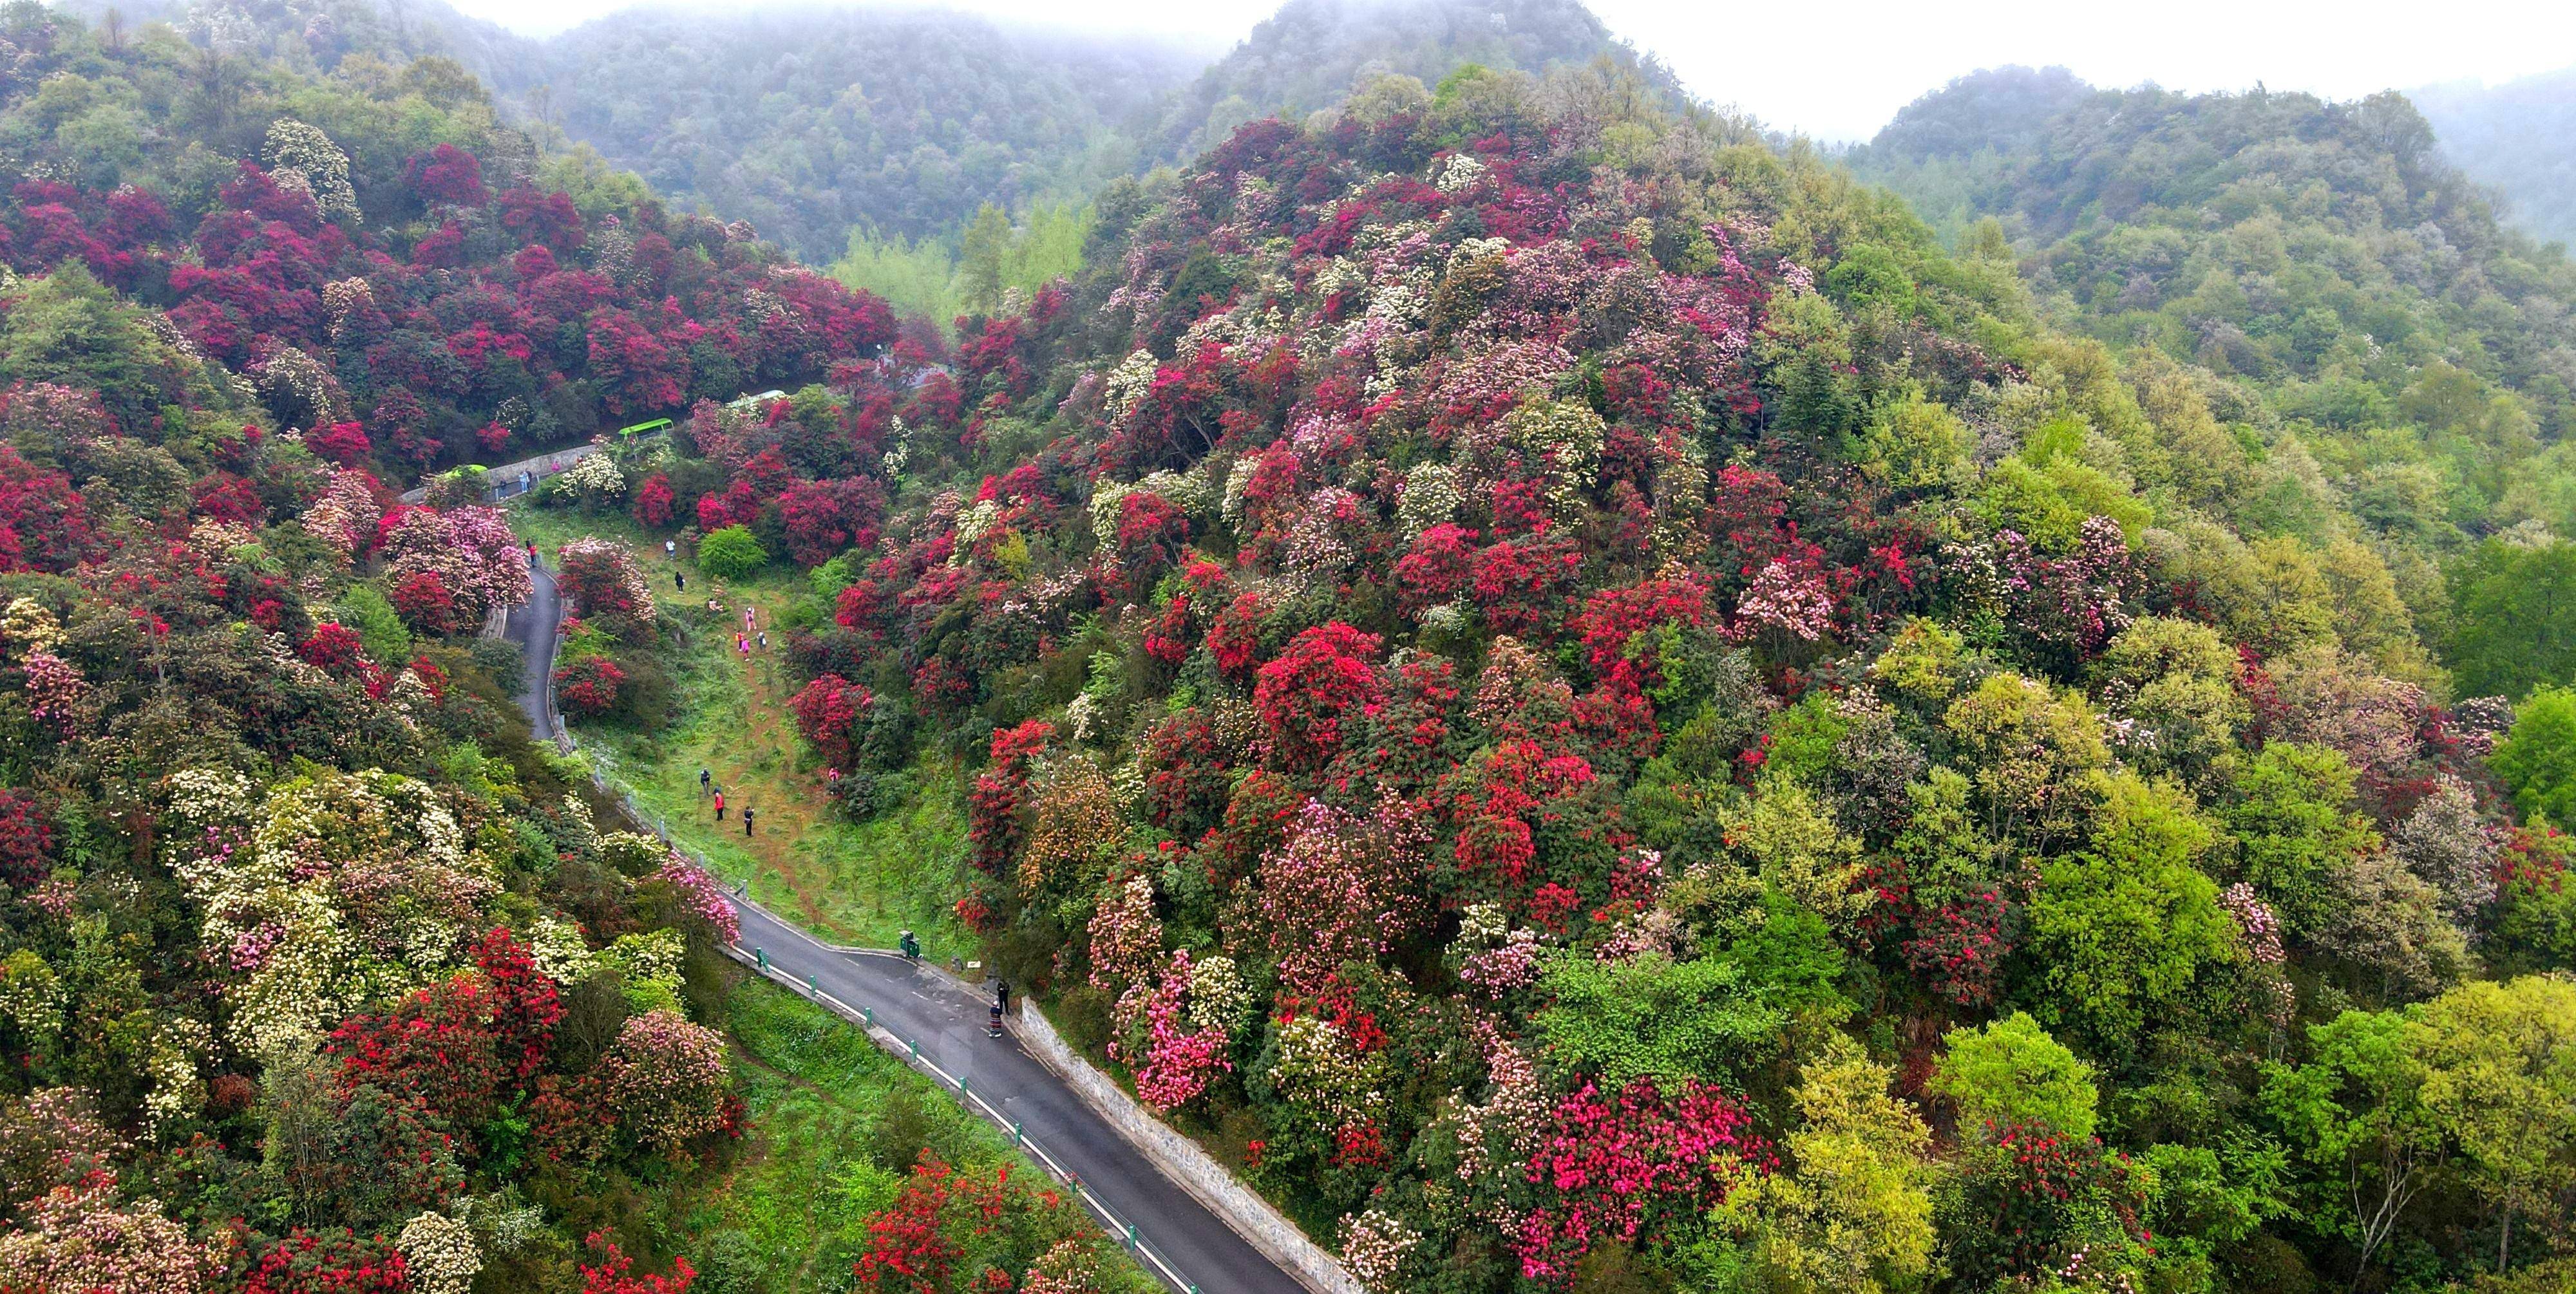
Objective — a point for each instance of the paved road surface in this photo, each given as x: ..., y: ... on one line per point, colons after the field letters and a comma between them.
x: 533, y: 625
x: 924, y: 1007
x: 946, y: 1021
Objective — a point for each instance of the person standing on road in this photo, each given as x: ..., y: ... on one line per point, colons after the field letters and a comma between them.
x: 532, y: 554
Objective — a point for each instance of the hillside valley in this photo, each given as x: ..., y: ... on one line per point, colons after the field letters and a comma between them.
x: 1579, y: 696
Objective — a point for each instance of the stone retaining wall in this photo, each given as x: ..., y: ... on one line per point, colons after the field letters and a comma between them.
x: 1184, y: 1161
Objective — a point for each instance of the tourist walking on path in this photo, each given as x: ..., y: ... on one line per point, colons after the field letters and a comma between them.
x: 706, y: 783
x: 719, y: 806
x: 746, y: 819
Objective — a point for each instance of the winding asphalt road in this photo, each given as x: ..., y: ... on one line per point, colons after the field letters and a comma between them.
x: 943, y: 1022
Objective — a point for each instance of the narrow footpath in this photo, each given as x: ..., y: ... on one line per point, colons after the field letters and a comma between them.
x: 943, y: 1022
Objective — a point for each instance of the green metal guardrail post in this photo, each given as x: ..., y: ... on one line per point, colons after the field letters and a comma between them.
x: 811, y: 986
x: 762, y: 956
x: 1131, y: 1235
x: 1017, y: 1138
x: 915, y: 1045
x: 869, y: 1014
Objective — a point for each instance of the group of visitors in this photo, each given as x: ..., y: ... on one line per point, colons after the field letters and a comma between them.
x: 707, y: 789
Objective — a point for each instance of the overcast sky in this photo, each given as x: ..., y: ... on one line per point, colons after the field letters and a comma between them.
x: 1839, y: 72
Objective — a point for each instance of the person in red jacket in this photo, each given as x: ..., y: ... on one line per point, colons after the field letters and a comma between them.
x: 719, y: 806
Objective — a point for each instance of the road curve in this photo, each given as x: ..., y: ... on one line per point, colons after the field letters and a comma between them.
x: 533, y: 625
x: 946, y: 1023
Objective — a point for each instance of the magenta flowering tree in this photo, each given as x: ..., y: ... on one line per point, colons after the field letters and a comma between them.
x: 1178, y: 1061
x: 1609, y: 1167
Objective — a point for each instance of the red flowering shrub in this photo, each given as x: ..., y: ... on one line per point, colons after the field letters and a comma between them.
x: 222, y: 496
x: 606, y: 583
x: 335, y: 648
x: 829, y: 711
x: 1437, y: 566
x: 344, y: 443
x: 1186, y: 782
x: 1608, y: 1168
x: 447, y: 174
x: 424, y: 603
x: 1326, y: 677
x: 653, y: 503
x: 1151, y: 530
x: 1523, y: 585
x: 26, y: 836
x: 586, y: 686
x: 1234, y: 638
x: 974, y: 1229
x: 434, y: 1052
x: 524, y: 1005
x: 334, y: 1261
x: 44, y: 526
x: 615, y: 1272
x: 993, y: 807
x: 861, y: 607
x: 825, y: 518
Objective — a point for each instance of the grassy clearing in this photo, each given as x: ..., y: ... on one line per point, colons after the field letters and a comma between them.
x: 790, y: 1215
x: 848, y: 882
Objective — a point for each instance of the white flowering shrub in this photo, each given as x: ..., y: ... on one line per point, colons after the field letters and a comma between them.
x: 596, y: 481
x: 439, y: 1254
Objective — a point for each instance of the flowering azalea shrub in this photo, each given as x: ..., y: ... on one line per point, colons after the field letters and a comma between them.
x: 606, y: 585
x: 982, y: 1227
x: 586, y: 686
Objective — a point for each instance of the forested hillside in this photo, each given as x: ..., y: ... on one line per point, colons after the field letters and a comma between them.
x: 374, y: 258
x: 818, y: 124
x: 1588, y: 703
x: 2519, y: 137
x: 814, y: 123
x: 1312, y: 53
x: 315, y: 973
x: 2355, y: 295
x: 1590, y: 708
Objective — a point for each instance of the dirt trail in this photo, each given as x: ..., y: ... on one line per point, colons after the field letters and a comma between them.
x: 761, y: 774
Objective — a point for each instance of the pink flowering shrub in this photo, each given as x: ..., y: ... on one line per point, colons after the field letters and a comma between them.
x: 1609, y: 1167
x: 664, y: 1080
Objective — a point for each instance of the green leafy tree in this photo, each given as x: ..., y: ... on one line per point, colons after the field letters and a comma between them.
x: 2010, y: 1071
x: 983, y: 253
x: 1852, y: 1211
x: 2123, y: 928
x: 2514, y: 618
x: 2499, y: 1066
x: 732, y: 554
x: 2355, y: 1114
x: 1656, y: 1018
x: 2290, y: 809
x: 2537, y: 757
